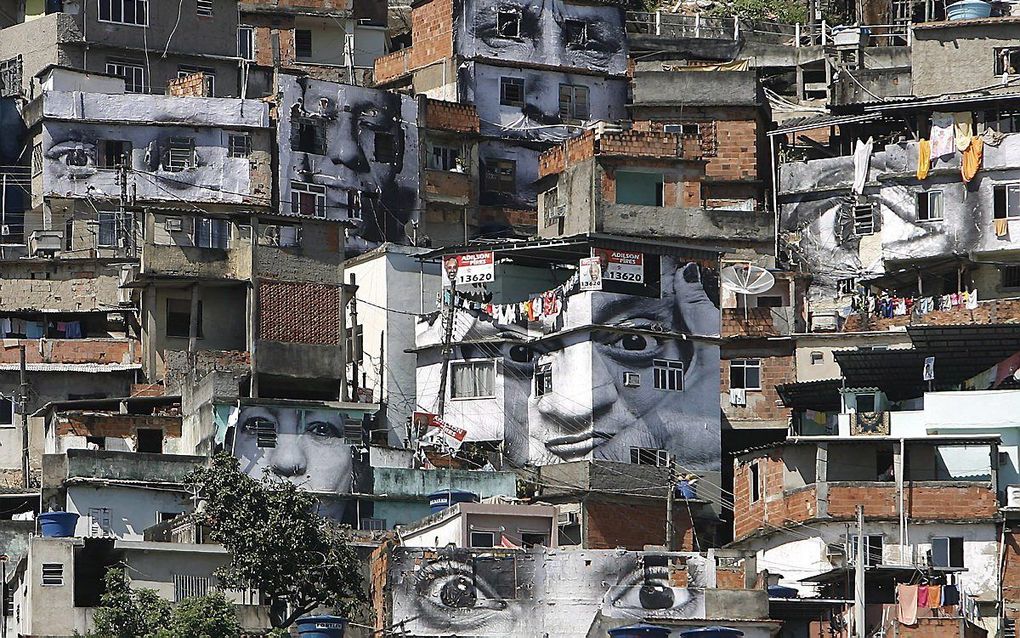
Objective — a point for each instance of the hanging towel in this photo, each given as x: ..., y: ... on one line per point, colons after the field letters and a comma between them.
x: 922, y: 596
x: 934, y: 596
x: 5, y: 327
x: 862, y: 160
x: 963, y: 125
x: 906, y: 597
x: 1001, y: 227
x: 33, y: 330
x: 950, y: 595
x: 923, y: 159
x: 972, y: 300
x: 992, y: 137
x: 970, y: 164
x: 941, y: 134
x: 72, y: 330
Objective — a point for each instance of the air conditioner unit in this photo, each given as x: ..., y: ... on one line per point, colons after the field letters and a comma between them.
x: 738, y: 396
x: 5, y: 230
x: 631, y: 380
x: 1013, y: 496
x: 824, y: 321
x: 173, y: 224
x: 45, y: 242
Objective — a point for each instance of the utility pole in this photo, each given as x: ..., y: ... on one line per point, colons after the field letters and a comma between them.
x: 355, y: 353
x: 861, y: 562
x: 670, y: 489
x: 23, y: 406
x: 450, y: 266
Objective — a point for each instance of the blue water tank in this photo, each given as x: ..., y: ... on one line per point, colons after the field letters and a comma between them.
x: 780, y: 591
x: 321, y: 626
x: 57, y: 524
x: 439, y: 501
x: 968, y: 10
x: 640, y: 631
x: 685, y: 490
x: 711, y: 632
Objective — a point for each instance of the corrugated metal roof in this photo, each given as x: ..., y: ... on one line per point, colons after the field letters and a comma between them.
x: 818, y: 121
x: 73, y: 367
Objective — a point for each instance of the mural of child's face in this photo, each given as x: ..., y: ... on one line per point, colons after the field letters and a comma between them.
x: 308, y: 447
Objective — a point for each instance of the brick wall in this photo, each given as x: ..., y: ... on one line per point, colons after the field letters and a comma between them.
x: 392, y: 65
x: 73, y: 351
x: 1011, y: 573
x: 299, y: 312
x: 773, y: 507
x: 451, y: 116
x: 730, y: 146
x: 752, y: 322
x: 991, y: 311
x: 432, y: 37
x: 120, y: 426
x: 633, y: 525
x: 945, y: 502
x: 940, y: 628
x: 761, y: 405
x: 573, y: 151
x: 189, y: 86
x: 645, y: 144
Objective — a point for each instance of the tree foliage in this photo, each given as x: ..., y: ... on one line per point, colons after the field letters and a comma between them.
x: 129, y: 613
x: 278, y: 543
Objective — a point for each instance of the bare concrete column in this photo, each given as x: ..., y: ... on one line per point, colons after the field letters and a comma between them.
x: 193, y: 327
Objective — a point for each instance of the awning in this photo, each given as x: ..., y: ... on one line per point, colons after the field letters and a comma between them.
x: 821, y: 121
x: 820, y: 396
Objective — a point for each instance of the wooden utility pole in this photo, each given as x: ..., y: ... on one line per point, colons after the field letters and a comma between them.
x: 861, y: 562
x: 450, y: 268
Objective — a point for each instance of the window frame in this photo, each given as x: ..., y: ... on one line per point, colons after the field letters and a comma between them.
x: 120, y: 231
x: 204, y: 8
x: 471, y: 539
x: 144, y: 4
x: 308, y: 135
x: 232, y: 147
x: 572, y: 112
x: 496, y: 178
x: 208, y: 73
x: 543, y: 379
x: 1014, y: 271
x: 650, y: 456
x: 857, y: 402
x: 103, y: 152
x: 176, y: 146
x: 754, y: 481
x: 504, y: 17
x: 248, y: 33
x: 317, y: 191
x: 205, y: 238
x: 570, y: 39
x: 1000, y: 54
x: 476, y: 365
x: 120, y: 69
x: 862, y: 223
x: 660, y: 187
x: 869, y: 551
x: 56, y: 571
x: 951, y: 551
x: 298, y: 49
x: 926, y: 208
x: 666, y: 373
x: 745, y: 365
x: 517, y: 84
x: 103, y: 527
x: 443, y: 157
x: 1001, y: 199
x: 186, y: 333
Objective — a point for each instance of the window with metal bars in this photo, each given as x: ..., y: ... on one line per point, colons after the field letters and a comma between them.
x: 203, y: 8
x: 240, y: 145
x: 52, y: 575
x: 188, y: 586
x: 180, y: 155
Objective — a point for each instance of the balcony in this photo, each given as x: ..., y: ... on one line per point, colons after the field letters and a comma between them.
x: 118, y: 466
x: 448, y: 187
x: 104, y: 351
x: 189, y: 262
x: 693, y: 223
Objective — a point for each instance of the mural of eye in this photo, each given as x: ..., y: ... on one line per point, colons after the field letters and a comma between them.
x: 323, y: 429
x: 633, y: 345
x: 521, y: 354
x: 258, y: 425
x: 453, y: 587
x: 649, y: 589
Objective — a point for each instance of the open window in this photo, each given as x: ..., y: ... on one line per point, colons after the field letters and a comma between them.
x: 508, y: 22
x: 639, y: 188
x: 947, y: 551
x: 308, y: 135
x: 576, y: 32
x: 150, y: 441
x: 178, y: 318
x: 114, y: 153
x: 1006, y: 204
x: 929, y: 206
x: 1007, y: 61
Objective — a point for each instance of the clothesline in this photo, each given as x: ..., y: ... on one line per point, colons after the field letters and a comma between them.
x: 542, y: 306
x: 887, y: 306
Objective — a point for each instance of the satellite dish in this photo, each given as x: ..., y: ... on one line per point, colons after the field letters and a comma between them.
x: 747, y: 280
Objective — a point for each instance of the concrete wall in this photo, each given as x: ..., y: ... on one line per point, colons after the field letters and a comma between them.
x: 154, y: 565
x: 967, y: 49
x: 694, y: 88
x: 42, y: 42
x: 130, y: 509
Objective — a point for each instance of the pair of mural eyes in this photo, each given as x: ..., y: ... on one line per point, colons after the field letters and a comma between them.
x: 629, y: 342
x: 321, y: 429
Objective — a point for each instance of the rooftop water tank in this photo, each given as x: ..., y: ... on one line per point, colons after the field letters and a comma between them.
x: 321, y: 626
x: 968, y: 10
x: 57, y: 524
x: 711, y: 632
x: 439, y: 501
x: 640, y: 631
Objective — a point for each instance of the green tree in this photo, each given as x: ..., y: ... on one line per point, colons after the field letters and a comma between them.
x: 278, y: 543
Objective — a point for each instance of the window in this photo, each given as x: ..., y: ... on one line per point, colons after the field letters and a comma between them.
x: 282, y: 235
x: 947, y: 551
x: 1010, y: 277
x: 687, y: 129
x: 769, y: 301
x: 188, y: 586
x: 353, y: 204
x: 264, y: 431
x: 864, y: 219
x: 865, y: 402
x: 373, y: 524
x: 133, y: 74
x: 114, y: 230
x: 483, y: 539
x: 574, y: 102
x: 211, y: 233
x: 1007, y: 201
x: 114, y: 153
x: 534, y: 539
x: 150, y: 441
x: 308, y: 199
x: 308, y: 135
x: 872, y: 549
x: 508, y: 22
x: 385, y: 147
x: 501, y: 176
x: 303, y: 43
x: 846, y: 286
x: 668, y: 375
x: 639, y: 189
x: 511, y: 91
x: 444, y: 158
x: 649, y: 456
x: 166, y: 517
x: 543, y: 379
x: 99, y: 522
x: 246, y: 43
x: 184, y: 71
x: 817, y: 358
x: 885, y: 465
x: 52, y: 575
x: 1007, y: 61
x: 180, y: 154
x: 929, y: 206
x: 95, y: 442
x: 37, y: 159
x: 178, y: 318
x: 239, y: 145
x: 473, y: 379
x: 576, y: 32
x: 134, y: 12
x: 203, y: 8
x: 755, y: 478
x: 746, y: 374
x: 6, y: 411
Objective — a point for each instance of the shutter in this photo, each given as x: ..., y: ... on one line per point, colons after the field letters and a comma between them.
x: 999, y: 202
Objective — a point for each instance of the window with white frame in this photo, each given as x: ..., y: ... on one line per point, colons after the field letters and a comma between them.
x: 745, y: 373
x: 668, y: 375
x: 929, y: 206
x: 864, y: 219
x: 574, y: 103
x: 1006, y: 203
x: 203, y: 8
x: 209, y: 74
x: 444, y: 158
x: 473, y: 379
x: 211, y: 232
x: 133, y: 74
x: 134, y: 12
x: 114, y: 229
x: 239, y: 145
x: 649, y: 456
x: 308, y: 199
x: 543, y: 379
x: 52, y: 574
x: 947, y: 551
x: 180, y: 154
x: 1007, y: 61
x: 99, y: 522
x: 483, y: 539
x: 282, y: 235
x: 246, y: 43
x: 872, y: 549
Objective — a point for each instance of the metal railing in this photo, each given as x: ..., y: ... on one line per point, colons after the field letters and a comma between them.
x: 677, y: 25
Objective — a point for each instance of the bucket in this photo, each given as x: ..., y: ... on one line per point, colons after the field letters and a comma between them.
x: 57, y: 524
x: 968, y: 10
x: 321, y: 626
x: 640, y: 631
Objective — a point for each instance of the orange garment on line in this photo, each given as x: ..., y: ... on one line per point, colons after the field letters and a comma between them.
x: 1001, y: 226
x: 934, y: 596
x: 970, y: 163
x: 923, y: 159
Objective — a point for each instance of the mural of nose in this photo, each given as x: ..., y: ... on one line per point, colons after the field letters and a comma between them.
x: 350, y: 154
x: 289, y: 462
x: 605, y: 379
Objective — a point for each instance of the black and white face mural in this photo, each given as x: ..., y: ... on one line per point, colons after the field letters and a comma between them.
x: 625, y: 377
x: 544, y: 592
x: 350, y: 153
x: 548, y: 32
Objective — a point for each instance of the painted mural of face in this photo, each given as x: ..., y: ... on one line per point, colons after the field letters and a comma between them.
x: 302, y: 446
x: 368, y: 158
x: 661, y: 411
x: 646, y: 589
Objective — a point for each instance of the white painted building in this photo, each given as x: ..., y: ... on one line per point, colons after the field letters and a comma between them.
x: 481, y: 525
